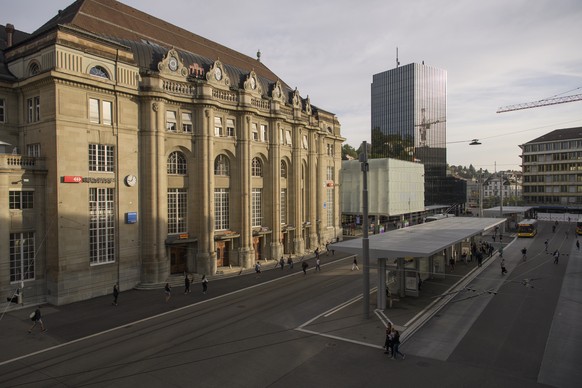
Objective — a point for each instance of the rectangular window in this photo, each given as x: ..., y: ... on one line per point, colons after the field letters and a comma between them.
x: 264, y: 133
x: 218, y: 126
x: 329, y: 173
x: 101, y: 225
x: 255, y: 133
x: 171, y: 123
x: 256, y: 211
x: 177, y: 211
x: 2, y: 111
x: 100, y: 112
x: 288, y: 138
x: 221, y: 209
x: 101, y: 158
x: 21, y: 256
x: 230, y: 127
x: 19, y: 200
x: 284, y: 206
x: 187, y: 122
x: 33, y: 150
x: 29, y: 110
x: 329, y: 207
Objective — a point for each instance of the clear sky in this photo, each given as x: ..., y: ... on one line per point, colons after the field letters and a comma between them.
x: 496, y: 53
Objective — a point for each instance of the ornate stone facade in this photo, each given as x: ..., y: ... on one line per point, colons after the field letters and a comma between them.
x: 156, y: 160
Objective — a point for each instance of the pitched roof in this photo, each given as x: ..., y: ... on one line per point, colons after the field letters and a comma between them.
x: 150, y: 37
x: 559, y: 134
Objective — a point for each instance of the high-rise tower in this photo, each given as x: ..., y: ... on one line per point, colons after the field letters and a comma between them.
x: 409, y: 107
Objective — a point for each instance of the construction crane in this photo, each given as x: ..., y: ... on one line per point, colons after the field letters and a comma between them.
x: 544, y: 102
x: 424, y: 126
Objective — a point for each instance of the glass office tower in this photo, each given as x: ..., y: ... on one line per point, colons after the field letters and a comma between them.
x: 409, y: 110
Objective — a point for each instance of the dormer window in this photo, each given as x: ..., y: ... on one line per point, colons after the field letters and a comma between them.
x: 99, y: 71
x: 33, y: 68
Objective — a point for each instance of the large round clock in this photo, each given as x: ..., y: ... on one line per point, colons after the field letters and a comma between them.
x: 218, y: 74
x: 130, y: 180
x: 173, y: 64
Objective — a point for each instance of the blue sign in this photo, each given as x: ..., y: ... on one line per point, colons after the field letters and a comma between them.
x: 131, y: 217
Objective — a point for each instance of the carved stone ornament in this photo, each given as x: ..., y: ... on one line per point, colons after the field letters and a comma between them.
x: 172, y: 64
x: 155, y: 107
x: 252, y: 83
x: 308, y: 106
x: 277, y: 93
x: 216, y: 75
x: 296, y: 99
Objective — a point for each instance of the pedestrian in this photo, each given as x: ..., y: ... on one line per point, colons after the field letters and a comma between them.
x: 290, y: 262
x: 304, y: 266
x: 546, y: 244
x: 419, y: 281
x: 387, y: 340
x: 258, y: 268
x: 282, y: 263
x: 500, y: 238
x: 115, y: 294
x: 556, y: 256
x: 493, y: 237
x: 553, y: 228
x: 186, y: 284
x: 524, y: 253
x: 452, y: 263
x: 503, y: 270
x: 577, y: 244
x: 479, y: 259
x: 355, y: 264
x: 168, y: 292
x: 501, y: 251
x: 317, y: 266
x: 37, y: 318
x: 317, y: 252
x: 327, y: 248
x: 204, y: 284
x: 396, y: 345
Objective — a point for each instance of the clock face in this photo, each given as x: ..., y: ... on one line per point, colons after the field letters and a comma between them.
x: 130, y: 180
x: 173, y: 64
x: 218, y: 74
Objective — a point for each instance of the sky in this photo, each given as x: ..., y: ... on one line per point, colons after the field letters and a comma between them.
x: 496, y: 53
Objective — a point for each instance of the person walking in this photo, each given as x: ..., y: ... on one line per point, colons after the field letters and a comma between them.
x: 479, y: 259
x: 577, y: 244
x: 37, y: 318
x: 317, y: 253
x: 168, y: 291
x: 317, y: 264
x: 396, y: 345
x: 493, y: 237
x: 355, y: 264
x: 546, y: 244
x: 187, y: 282
x: 503, y: 270
x: 556, y: 256
x: 388, y: 340
x: 115, y: 294
x: 204, y: 284
x: 304, y: 266
x: 258, y: 268
x: 524, y: 253
x: 290, y: 262
x: 282, y: 263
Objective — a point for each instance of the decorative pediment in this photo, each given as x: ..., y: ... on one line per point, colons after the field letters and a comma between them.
x: 308, y: 106
x: 216, y: 75
x: 252, y: 83
x: 172, y: 64
x: 277, y: 93
x: 297, y: 99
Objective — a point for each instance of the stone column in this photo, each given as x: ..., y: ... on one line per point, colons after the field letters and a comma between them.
x: 276, y: 249
x: 246, y: 251
x: 312, y: 189
x: 294, y: 190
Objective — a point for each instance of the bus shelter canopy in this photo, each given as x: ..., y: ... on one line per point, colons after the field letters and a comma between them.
x: 422, y: 240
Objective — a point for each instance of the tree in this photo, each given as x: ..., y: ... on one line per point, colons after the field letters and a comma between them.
x: 348, y: 150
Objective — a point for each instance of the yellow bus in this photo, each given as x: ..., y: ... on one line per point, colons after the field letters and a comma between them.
x: 579, y: 226
x: 527, y: 228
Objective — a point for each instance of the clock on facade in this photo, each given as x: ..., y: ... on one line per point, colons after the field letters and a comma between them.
x: 218, y: 74
x: 130, y: 180
x: 173, y: 64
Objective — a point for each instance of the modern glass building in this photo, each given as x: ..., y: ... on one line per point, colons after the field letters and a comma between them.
x: 409, y: 110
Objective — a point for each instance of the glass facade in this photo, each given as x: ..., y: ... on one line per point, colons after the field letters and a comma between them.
x: 409, y: 109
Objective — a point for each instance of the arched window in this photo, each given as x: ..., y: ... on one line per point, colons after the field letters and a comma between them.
x: 221, y: 166
x: 33, y: 68
x: 283, y: 169
x: 99, y: 71
x: 257, y: 168
x: 177, y: 163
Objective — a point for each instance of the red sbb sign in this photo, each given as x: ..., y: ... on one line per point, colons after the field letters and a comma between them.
x: 72, y: 179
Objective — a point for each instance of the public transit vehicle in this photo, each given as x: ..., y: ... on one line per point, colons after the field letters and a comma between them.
x: 527, y: 228
x: 579, y: 226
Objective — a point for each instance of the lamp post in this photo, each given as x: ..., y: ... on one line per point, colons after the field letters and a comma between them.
x: 365, y: 240
x: 481, y: 192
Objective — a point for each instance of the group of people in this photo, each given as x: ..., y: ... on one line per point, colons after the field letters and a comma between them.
x: 392, y: 342
x: 188, y: 280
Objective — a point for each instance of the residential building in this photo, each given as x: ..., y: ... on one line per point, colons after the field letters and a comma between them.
x: 139, y: 151
x: 552, y: 168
